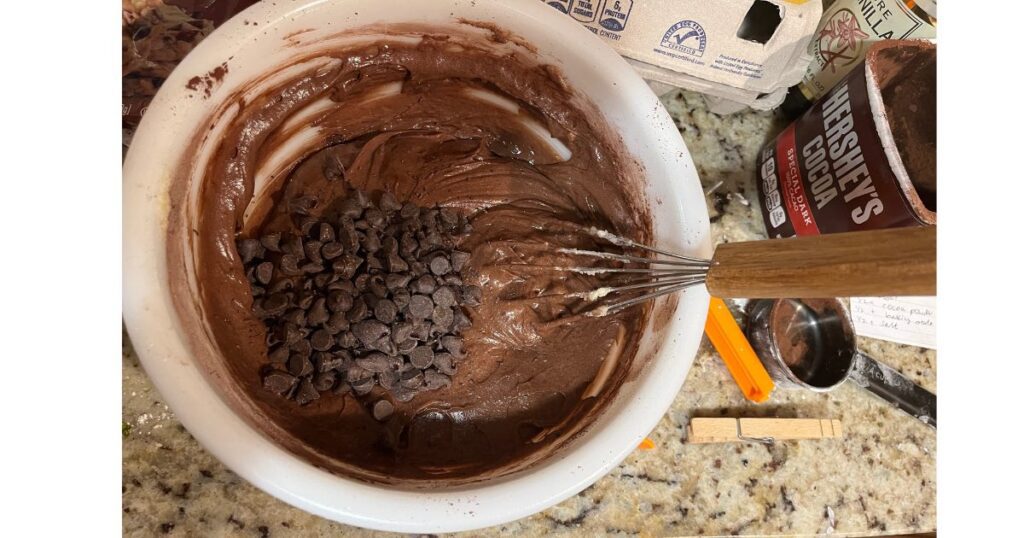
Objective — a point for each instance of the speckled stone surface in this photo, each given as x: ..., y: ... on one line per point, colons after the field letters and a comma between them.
x: 879, y: 479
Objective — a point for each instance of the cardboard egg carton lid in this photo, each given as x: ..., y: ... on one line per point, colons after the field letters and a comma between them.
x: 748, y: 51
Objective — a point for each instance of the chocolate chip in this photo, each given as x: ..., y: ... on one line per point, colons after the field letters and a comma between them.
x: 361, y: 281
x: 406, y: 346
x: 387, y: 379
x: 403, y: 394
x: 449, y: 218
x: 343, y: 285
x: 424, y: 284
x: 301, y: 205
x: 420, y: 306
x: 401, y: 297
x: 385, y: 311
x: 459, y: 260
x: 471, y: 295
x: 324, y: 381
x: 411, y: 379
x: 444, y: 363
x: 275, y: 304
x: 374, y: 217
x: 347, y: 340
x: 312, y: 250
x: 409, y: 210
x: 278, y: 382
x: 348, y: 236
x: 358, y: 312
x: 300, y: 366
x: 321, y: 340
x: 417, y: 268
x: 321, y: 280
x: 272, y: 242
x: 339, y: 301
x: 307, y: 392
x: 363, y: 386
x: 325, y: 361
x: 421, y: 330
x: 435, y: 380
x: 350, y: 208
x: 374, y: 362
x: 373, y: 263
x: 401, y: 331
x: 302, y: 347
x: 249, y: 249
x: 290, y: 265
x: 388, y: 243
x: 397, y: 280
x: 306, y: 225
x: 357, y: 373
x: 304, y: 299
x: 291, y: 244
x: 428, y: 218
x: 371, y: 241
x: 444, y: 296
x: 388, y: 203
x: 442, y: 317
x: 385, y: 345
x: 369, y: 331
x: 281, y: 285
x: 407, y: 244
x: 264, y: 272
x: 312, y: 268
x: 440, y: 265
x: 360, y: 197
x: 295, y: 316
x: 336, y: 323
x: 395, y: 263
x: 451, y: 279
x: 332, y: 250
x: 279, y: 354
x: 377, y: 286
x: 383, y: 409
x: 453, y: 345
x: 318, y: 314
x: 421, y: 356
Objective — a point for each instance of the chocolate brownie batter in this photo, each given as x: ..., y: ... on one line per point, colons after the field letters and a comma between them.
x: 463, y: 123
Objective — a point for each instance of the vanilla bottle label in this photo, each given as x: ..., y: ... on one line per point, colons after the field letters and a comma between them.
x: 847, y: 30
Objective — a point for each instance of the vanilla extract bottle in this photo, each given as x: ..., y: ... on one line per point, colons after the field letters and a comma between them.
x: 847, y: 29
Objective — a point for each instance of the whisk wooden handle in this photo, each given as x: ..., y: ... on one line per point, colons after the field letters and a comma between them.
x: 899, y: 261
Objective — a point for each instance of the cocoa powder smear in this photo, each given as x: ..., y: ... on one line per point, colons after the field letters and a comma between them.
x: 456, y: 122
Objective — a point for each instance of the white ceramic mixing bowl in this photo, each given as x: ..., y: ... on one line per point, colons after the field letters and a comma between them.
x: 255, y: 41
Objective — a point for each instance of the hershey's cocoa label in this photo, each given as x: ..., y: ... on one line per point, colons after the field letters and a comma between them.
x: 827, y: 172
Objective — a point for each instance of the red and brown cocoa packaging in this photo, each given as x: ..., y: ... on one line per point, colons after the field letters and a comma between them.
x: 863, y: 157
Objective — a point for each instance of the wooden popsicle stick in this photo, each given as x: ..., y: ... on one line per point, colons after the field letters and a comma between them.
x: 732, y: 430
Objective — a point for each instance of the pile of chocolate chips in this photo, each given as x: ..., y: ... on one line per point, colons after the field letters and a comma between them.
x: 370, y: 294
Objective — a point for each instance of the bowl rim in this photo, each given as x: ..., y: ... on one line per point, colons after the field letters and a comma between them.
x: 150, y: 318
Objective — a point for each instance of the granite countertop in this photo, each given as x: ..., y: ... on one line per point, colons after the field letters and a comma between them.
x: 878, y: 479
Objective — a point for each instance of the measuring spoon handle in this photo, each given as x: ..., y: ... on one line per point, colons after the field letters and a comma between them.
x: 885, y: 382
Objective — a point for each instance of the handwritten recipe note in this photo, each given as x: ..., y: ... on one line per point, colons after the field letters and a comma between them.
x: 906, y: 320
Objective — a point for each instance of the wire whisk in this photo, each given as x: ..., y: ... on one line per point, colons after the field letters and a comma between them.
x: 898, y: 261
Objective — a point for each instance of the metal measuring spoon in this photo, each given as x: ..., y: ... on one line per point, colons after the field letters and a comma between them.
x: 811, y: 344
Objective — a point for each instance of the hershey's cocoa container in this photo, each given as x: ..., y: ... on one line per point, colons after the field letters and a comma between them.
x: 863, y: 157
